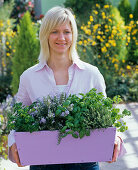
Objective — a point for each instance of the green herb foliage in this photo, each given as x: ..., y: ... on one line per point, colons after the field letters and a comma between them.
x: 75, y: 114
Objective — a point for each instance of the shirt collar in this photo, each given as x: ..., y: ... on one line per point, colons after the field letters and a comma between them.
x: 41, y: 66
x: 77, y: 62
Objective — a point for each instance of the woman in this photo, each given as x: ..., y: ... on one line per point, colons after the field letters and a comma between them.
x: 59, y: 70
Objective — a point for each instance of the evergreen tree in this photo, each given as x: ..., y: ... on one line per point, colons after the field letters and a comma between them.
x: 125, y: 10
x: 135, y: 13
x: 27, y: 49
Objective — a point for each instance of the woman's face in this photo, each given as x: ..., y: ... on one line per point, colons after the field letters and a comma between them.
x: 60, y: 39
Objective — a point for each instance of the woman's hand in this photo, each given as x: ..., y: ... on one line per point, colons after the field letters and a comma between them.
x: 116, y: 149
x: 15, y: 155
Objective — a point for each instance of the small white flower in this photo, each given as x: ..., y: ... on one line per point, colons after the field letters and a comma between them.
x: 39, y: 21
x: 53, y: 121
x: 43, y: 120
x: 48, y: 102
x: 50, y: 114
x: 70, y: 107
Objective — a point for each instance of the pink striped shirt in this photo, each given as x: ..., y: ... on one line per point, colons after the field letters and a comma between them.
x: 38, y: 81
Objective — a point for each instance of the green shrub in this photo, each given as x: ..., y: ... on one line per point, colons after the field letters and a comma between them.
x: 5, y: 87
x: 83, y: 8
x: 135, y: 12
x: 125, y: 10
x: 118, y: 86
x: 27, y: 49
x: 5, y: 10
x: 133, y: 87
x: 125, y: 86
x: 132, y: 31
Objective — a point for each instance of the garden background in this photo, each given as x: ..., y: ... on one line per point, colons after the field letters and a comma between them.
x: 108, y: 38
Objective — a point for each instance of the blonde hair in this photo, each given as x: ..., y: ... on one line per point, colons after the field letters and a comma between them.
x: 55, y: 17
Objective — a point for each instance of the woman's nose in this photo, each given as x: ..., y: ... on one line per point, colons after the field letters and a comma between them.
x: 61, y: 36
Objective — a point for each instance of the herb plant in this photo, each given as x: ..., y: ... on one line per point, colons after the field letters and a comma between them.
x: 75, y: 114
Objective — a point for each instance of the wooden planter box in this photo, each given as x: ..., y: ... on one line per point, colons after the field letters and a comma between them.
x: 40, y: 148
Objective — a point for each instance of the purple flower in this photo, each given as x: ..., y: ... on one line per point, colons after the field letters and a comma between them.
x: 66, y: 112
x: 62, y: 114
x: 33, y: 113
x: 35, y: 107
x: 13, y: 122
x: 43, y: 120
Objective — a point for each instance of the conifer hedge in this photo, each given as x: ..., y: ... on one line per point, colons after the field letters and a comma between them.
x: 27, y: 49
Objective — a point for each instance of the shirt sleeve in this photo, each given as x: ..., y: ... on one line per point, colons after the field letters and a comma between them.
x: 11, y: 139
x: 22, y: 95
x: 100, y: 83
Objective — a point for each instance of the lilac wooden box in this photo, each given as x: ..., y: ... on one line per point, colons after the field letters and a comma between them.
x: 40, y: 148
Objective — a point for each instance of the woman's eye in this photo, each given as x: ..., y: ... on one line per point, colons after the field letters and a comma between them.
x: 67, y: 32
x: 54, y: 32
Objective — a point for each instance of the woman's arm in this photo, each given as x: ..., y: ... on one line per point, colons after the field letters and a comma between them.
x: 119, y: 149
x: 13, y: 155
x: 22, y: 96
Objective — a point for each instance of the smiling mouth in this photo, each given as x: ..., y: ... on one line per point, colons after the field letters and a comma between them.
x: 61, y: 43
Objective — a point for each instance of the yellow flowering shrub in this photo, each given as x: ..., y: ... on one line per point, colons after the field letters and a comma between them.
x: 6, y: 53
x: 105, y: 41
x: 3, y: 139
x: 132, y: 41
x: 6, y: 45
x: 103, y: 36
